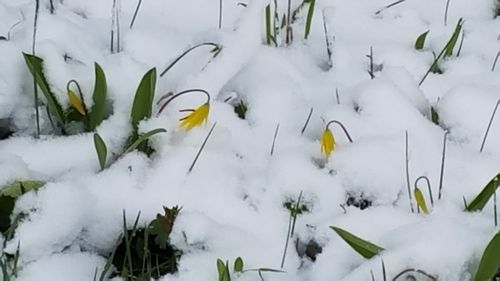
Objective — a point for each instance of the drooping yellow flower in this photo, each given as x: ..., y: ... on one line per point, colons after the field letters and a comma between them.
x: 327, y: 142
x: 419, y: 197
x: 76, y: 102
x: 196, y: 117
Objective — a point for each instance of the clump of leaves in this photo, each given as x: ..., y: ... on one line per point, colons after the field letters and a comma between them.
x: 64, y: 120
x: 275, y: 24
x: 8, y: 196
x: 224, y: 271
x: 145, y: 253
x: 241, y: 109
x: 447, y: 50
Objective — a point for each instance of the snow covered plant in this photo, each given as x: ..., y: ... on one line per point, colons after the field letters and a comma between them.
x: 328, y: 140
x: 274, y: 26
x: 77, y: 117
x: 196, y: 116
x: 142, y: 109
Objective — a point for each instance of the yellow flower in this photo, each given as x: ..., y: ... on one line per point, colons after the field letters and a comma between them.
x: 76, y: 102
x: 327, y: 142
x: 196, y: 117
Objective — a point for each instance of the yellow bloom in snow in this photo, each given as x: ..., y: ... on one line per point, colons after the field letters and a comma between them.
x: 327, y: 142
x: 196, y: 117
x: 76, y: 102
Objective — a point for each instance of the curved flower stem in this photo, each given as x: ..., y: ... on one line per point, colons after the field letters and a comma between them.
x: 414, y: 270
x: 428, y: 187
x: 489, y: 126
x: 341, y: 126
x: 178, y: 95
x: 185, y: 53
x: 441, y: 175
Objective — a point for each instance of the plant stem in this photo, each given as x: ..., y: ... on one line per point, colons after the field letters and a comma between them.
x: 389, y: 6
x: 343, y: 129
x: 443, y: 156
x: 33, y: 51
x: 495, y: 61
x: 446, y: 12
x: 220, y: 14
x: 337, y: 95
x: 135, y: 13
x: 408, y: 171
x: 307, y: 121
x: 201, y: 148
x: 274, y: 138
x: 489, y: 126
x: 329, y: 44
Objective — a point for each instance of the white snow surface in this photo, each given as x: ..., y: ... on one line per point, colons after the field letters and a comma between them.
x: 232, y: 201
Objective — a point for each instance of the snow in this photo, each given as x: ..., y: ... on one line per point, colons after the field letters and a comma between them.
x: 232, y: 200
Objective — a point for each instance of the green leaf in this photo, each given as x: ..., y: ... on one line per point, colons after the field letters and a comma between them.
x: 490, y: 261
x: 162, y: 226
x: 18, y: 188
x: 142, y: 107
x: 98, y: 111
x: 419, y: 44
x: 363, y: 247
x: 8, y: 195
x: 310, y: 14
x: 484, y: 196
x: 453, y: 40
x: 102, y: 151
x: 221, y: 268
x: 419, y: 197
x: 238, y: 265
x: 34, y: 64
x: 434, y: 116
x: 144, y: 137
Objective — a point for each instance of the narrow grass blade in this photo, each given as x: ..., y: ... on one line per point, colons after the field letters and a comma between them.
x: 143, y: 138
x: 201, y: 148
x: 309, y: 18
x: 102, y: 150
x: 490, y: 261
x: 419, y: 44
x: 98, y: 110
x: 484, y: 196
x: 34, y: 64
x: 363, y: 247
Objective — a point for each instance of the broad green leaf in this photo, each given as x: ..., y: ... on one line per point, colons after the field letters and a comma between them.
x: 162, y: 226
x: 363, y: 247
x: 484, y: 196
x: 101, y: 149
x: 34, y: 64
x: 490, y: 261
x: 75, y: 102
x: 221, y: 268
x: 310, y: 14
x: 419, y: 43
x: 419, y: 197
x: 142, y: 138
x: 18, y: 188
x: 142, y: 107
x: 453, y: 40
x: 98, y: 111
x: 238, y: 265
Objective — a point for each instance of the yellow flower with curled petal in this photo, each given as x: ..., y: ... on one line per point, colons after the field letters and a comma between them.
x: 327, y: 142
x: 196, y: 117
x: 76, y: 102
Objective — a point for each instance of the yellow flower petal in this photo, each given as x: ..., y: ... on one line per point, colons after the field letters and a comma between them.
x: 419, y: 197
x: 327, y: 142
x: 196, y: 117
x: 76, y: 102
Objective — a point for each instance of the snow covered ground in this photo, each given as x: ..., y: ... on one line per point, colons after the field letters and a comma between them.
x: 232, y: 201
